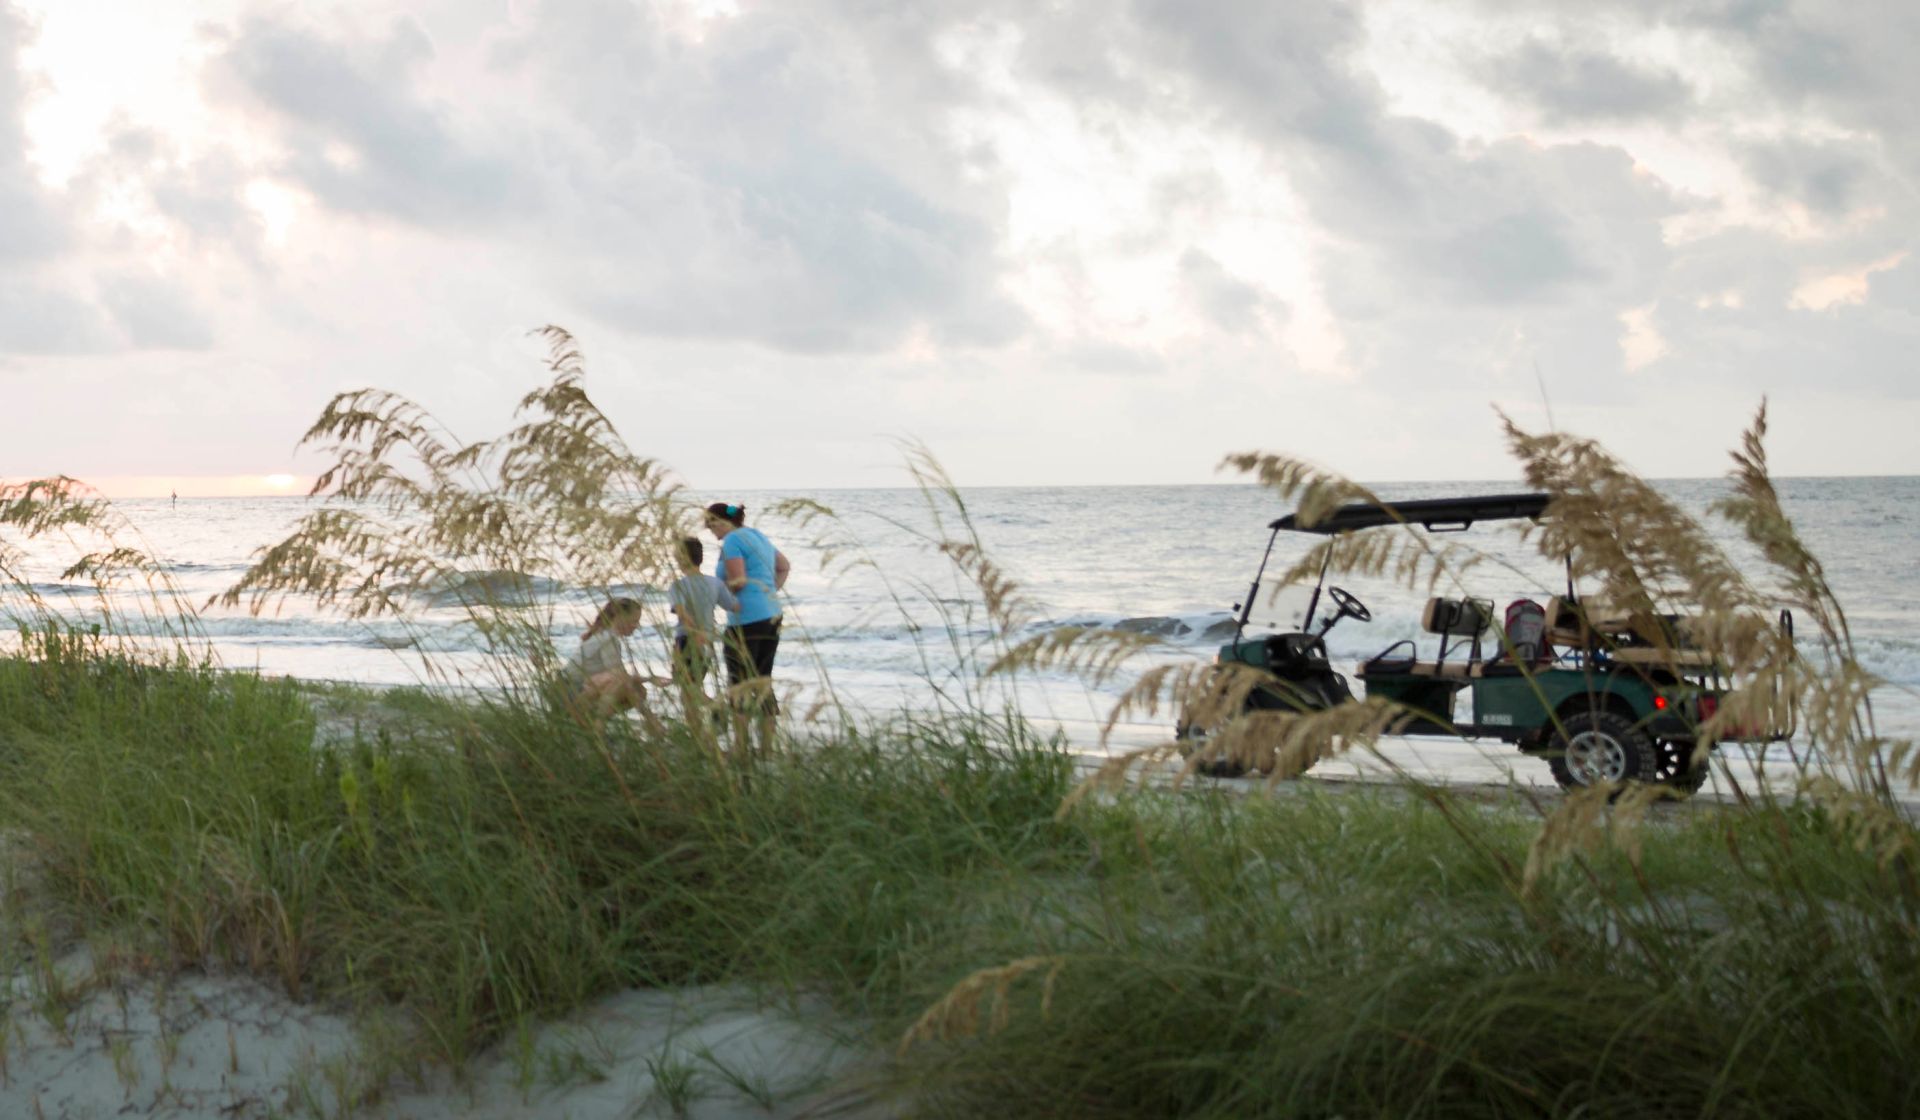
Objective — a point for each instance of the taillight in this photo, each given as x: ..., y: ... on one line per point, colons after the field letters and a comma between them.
x: 1659, y: 703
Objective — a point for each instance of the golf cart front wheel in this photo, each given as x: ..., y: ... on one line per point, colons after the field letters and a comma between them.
x: 1595, y: 747
x: 1191, y: 738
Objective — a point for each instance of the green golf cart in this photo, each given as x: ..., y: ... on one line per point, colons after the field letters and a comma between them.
x: 1603, y: 696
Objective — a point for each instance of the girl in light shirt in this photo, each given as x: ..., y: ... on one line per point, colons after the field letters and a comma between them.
x: 599, y: 670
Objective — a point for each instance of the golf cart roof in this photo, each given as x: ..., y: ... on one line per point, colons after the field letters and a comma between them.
x: 1429, y: 513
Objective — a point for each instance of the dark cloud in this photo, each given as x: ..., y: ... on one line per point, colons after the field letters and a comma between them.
x: 1727, y: 307
x: 41, y: 312
x: 206, y: 197
x: 1573, y: 85
x: 782, y: 181
x: 155, y: 313
x: 32, y: 225
x: 1415, y: 214
x: 787, y: 181
x: 1517, y: 257
x: 36, y: 316
x: 1850, y: 65
x: 39, y: 319
x: 1225, y: 300
x: 1829, y: 177
x: 830, y: 178
x: 1815, y: 103
x: 359, y: 135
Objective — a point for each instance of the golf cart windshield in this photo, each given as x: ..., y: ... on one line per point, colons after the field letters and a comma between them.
x: 1279, y: 609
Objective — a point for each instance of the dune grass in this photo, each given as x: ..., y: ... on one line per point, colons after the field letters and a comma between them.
x: 1013, y: 942
x: 1322, y: 954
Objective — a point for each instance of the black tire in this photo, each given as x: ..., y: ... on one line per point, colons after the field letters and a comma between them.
x: 1594, y: 746
x: 1193, y: 738
x: 1677, y: 768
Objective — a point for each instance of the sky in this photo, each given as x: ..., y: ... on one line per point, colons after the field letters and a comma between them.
x: 1058, y: 241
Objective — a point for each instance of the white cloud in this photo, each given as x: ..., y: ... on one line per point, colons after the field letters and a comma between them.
x: 1818, y: 293
x: 1640, y: 341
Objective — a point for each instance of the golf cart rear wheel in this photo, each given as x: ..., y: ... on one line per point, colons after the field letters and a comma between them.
x: 1677, y: 768
x: 1595, y: 747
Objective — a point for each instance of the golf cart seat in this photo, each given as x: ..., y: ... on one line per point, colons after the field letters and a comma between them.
x: 1665, y: 658
x: 1449, y: 618
x: 1574, y: 624
x: 1581, y: 623
x: 1631, y: 638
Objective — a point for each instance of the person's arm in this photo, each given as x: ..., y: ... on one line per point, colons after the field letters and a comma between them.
x: 733, y: 562
x: 723, y: 595
x: 675, y: 608
x: 780, y: 569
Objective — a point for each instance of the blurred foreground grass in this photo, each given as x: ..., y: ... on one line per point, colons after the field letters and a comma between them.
x: 478, y: 862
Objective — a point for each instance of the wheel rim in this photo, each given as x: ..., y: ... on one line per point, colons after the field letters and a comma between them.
x: 1595, y: 756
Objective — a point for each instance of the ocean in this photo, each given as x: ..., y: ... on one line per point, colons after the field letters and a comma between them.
x: 879, y: 618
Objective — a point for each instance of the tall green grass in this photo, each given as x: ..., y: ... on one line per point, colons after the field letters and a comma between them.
x: 1012, y: 943
x: 1321, y: 954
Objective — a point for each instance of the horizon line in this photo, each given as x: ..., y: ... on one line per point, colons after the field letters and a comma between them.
x: 285, y: 485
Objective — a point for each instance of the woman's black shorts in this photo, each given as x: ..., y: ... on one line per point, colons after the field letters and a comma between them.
x: 749, y: 653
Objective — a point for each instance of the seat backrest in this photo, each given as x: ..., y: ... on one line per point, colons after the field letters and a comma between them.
x: 1456, y: 617
x: 1564, y: 616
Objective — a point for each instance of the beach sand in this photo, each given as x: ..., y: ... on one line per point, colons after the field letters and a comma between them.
x: 107, y: 1043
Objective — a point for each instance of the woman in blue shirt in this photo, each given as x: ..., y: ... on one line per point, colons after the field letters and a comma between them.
x: 754, y: 570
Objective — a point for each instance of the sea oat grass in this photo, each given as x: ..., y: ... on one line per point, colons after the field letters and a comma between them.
x: 1311, y: 955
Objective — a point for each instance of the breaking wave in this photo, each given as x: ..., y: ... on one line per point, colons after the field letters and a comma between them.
x: 488, y: 587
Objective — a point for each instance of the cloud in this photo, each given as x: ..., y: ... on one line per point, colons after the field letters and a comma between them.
x: 1640, y: 342
x: 842, y: 211
x: 1225, y: 300
x: 204, y: 195
x: 32, y: 226
x: 775, y: 183
x: 1413, y: 213
x: 40, y: 319
x: 155, y: 313
x: 37, y: 317
x: 787, y: 182
x: 1572, y: 85
x: 357, y: 132
x: 1832, y: 178
x: 1818, y: 293
x: 1845, y: 66
x: 1741, y: 312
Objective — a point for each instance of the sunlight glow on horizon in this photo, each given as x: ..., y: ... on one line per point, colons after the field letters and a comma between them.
x: 201, y: 485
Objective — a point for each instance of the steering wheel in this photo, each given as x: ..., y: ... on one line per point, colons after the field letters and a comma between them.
x: 1349, y: 606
